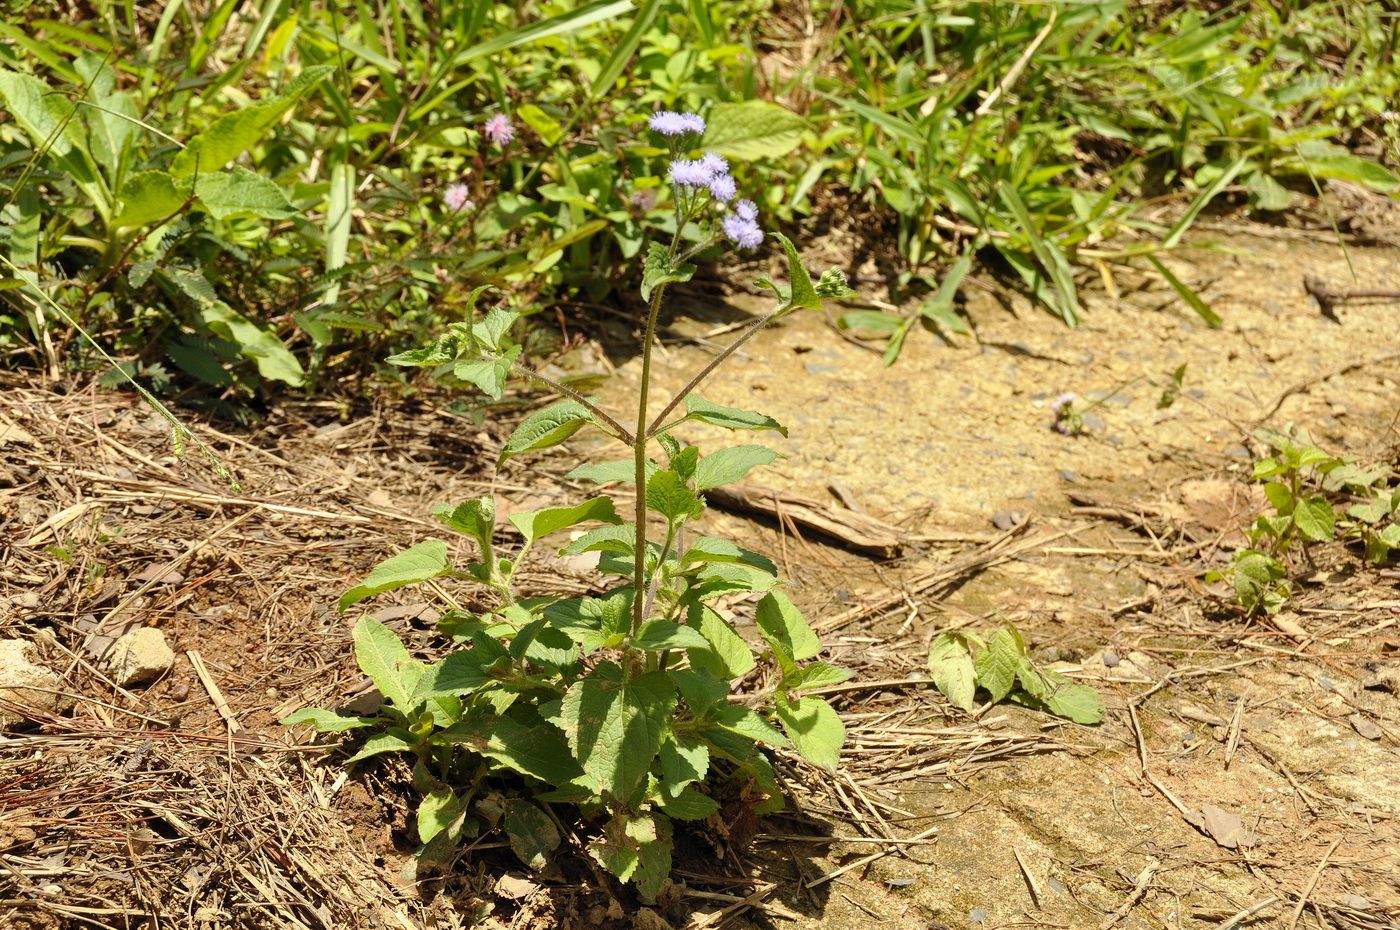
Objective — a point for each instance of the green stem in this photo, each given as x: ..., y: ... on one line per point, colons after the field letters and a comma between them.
x: 564, y: 390
x: 639, y: 458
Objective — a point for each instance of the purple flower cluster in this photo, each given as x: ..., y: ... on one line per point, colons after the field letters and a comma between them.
x: 742, y: 227
x: 711, y: 172
x: 499, y: 130
x: 671, y: 123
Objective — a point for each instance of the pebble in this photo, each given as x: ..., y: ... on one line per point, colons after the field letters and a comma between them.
x: 1067, y: 475
x: 25, y: 682
x: 1110, y: 659
x: 977, y: 915
x: 140, y: 657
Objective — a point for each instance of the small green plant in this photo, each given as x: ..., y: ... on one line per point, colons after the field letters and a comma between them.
x: 620, y: 706
x: 961, y: 663
x: 1314, y: 497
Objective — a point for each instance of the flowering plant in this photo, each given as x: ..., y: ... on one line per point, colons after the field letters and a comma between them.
x: 617, y: 706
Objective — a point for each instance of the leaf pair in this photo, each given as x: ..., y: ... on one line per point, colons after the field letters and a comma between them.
x: 1004, y: 669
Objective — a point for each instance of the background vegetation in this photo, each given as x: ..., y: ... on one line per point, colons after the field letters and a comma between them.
x: 237, y: 197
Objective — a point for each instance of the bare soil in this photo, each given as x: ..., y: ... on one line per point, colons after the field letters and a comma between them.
x: 1247, y: 766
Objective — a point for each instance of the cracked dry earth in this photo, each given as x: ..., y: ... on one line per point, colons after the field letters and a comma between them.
x: 1248, y: 773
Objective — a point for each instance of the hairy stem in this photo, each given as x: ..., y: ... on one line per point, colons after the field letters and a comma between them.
x: 705, y: 372
x: 639, y: 453
x: 564, y: 390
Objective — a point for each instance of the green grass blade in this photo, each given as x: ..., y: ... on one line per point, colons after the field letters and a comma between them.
x: 1206, y: 196
x: 1046, y: 253
x: 1203, y: 310
x: 621, y: 55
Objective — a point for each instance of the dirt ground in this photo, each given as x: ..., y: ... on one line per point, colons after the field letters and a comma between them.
x: 1247, y: 774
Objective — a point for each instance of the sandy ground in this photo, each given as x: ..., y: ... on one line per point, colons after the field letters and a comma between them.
x: 139, y: 802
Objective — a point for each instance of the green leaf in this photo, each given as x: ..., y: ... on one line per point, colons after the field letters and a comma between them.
x: 660, y: 635
x: 615, y: 726
x: 538, y: 751
x: 782, y: 624
x: 147, y: 196
x: 240, y: 192
x: 683, y: 759
x: 1355, y: 169
x: 607, y: 472
x: 396, y: 739
x: 1047, y: 253
x: 546, y: 427
x: 802, y: 293
x: 234, y: 133
x: 254, y: 342
x: 697, y: 408
x: 549, y: 129
x: 326, y: 721
x: 536, y: 524
x: 533, y: 835
x: 686, y: 803
x: 1315, y: 519
x: 939, y: 307
x: 817, y: 675
x: 740, y: 720
x: 488, y: 375
x: 752, y: 129
x: 728, y: 655
x: 636, y: 847
x: 668, y: 495
x: 1280, y: 496
x: 385, y: 660
x: 1194, y: 300
x: 1221, y: 181
x: 456, y: 675
x: 725, y: 466
x: 438, y: 810
x: 997, y: 665
x: 474, y: 517
x: 814, y: 728
x: 426, y: 560
x: 658, y: 270
x: 1061, y: 696
x: 621, y: 538
x: 340, y: 211
x: 950, y: 667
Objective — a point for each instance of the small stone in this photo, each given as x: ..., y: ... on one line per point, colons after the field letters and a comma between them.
x: 1005, y: 520
x: 1110, y: 658
x: 140, y: 657
x: 1365, y: 727
x: 1057, y: 885
x: 1326, y: 684
x: 977, y: 915
x: 23, y: 681
x: 1067, y: 475
x: 1354, y: 901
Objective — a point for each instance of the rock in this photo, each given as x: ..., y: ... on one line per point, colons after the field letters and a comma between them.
x: 25, y: 682
x: 140, y: 657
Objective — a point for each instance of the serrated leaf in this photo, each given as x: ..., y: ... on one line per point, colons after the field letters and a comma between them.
x: 606, y: 472
x: 532, y: 833
x: 546, y: 427
x: 240, y: 192
x: 621, y: 538
x: 474, y: 517
x: 385, y: 660
x: 741, y: 720
x: 668, y: 495
x: 438, y: 810
x: 326, y: 721
x: 255, y: 343
x: 658, y: 270
x: 814, y: 728
x: 396, y: 739
x: 697, y: 408
x: 752, y: 129
x: 726, y: 466
x: 426, y: 560
x: 817, y: 675
x: 148, y: 196
x: 1315, y: 519
x: 686, y: 803
x: 728, y: 655
x: 536, y: 524
x: 1060, y: 695
x: 636, y: 847
x: 615, y: 726
x: 683, y: 759
x: 702, y: 690
x: 488, y: 375
x: 456, y: 675
x: 997, y: 665
x: 538, y: 751
x: 950, y: 666
x: 660, y: 635
x: 782, y: 623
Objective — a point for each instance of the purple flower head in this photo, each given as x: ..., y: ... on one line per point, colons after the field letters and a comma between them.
x: 746, y: 209
x: 671, y: 123
x: 1061, y: 402
x: 455, y: 197
x: 644, y: 199
x: 690, y: 173
x: 722, y: 188
x: 499, y: 130
x: 743, y: 233
x: 715, y: 164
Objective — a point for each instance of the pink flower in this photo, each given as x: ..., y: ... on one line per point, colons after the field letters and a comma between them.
x: 455, y: 197
x: 499, y: 130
